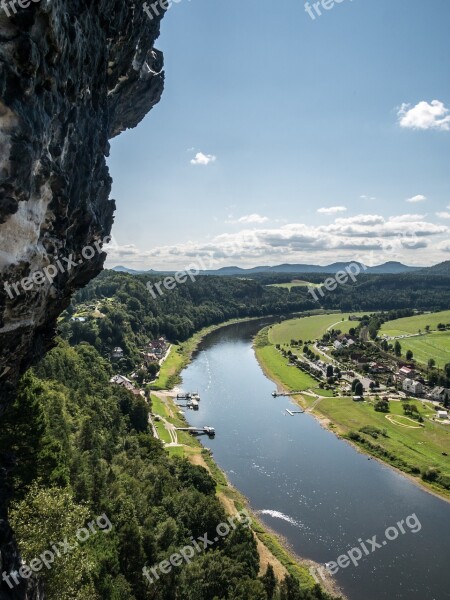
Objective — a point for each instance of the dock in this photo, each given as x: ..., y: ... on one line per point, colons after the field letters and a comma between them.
x: 278, y: 394
x: 189, y: 396
x: 191, y: 404
x: 294, y: 412
x: 199, y: 430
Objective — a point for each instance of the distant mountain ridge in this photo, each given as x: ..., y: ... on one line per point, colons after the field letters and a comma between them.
x: 391, y: 267
x: 440, y: 269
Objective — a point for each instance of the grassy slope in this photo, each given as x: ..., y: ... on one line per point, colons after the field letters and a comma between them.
x: 309, y: 328
x: 413, y: 324
x: 420, y: 448
x: 276, y: 368
x: 432, y: 345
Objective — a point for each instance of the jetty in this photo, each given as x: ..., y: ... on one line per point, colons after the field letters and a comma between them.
x: 199, y: 430
x: 278, y: 394
x: 189, y: 396
x: 294, y: 412
x: 192, y: 404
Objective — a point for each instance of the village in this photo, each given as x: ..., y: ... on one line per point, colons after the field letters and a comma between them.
x: 153, y: 356
x: 348, y: 364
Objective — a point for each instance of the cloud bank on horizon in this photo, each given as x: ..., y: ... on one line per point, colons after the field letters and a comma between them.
x: 402, y: 237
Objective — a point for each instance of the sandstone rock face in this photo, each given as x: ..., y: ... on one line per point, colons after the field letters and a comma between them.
x: 73, y: 74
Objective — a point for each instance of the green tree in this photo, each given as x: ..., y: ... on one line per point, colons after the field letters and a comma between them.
x: 269, y: 582
x: 48, y: 516
x: 359, y: 389
x: 139, y: 414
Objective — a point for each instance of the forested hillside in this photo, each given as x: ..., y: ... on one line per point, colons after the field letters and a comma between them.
x: 120, y: 311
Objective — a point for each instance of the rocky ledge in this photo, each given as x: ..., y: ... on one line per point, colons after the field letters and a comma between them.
x: 73, y: 74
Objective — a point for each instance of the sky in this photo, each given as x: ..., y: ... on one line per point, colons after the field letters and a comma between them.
x: 287, y: 137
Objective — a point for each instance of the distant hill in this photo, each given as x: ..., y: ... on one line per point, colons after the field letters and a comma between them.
x: 121, y: 269
x: 440, y: 269
x: 386, y: 268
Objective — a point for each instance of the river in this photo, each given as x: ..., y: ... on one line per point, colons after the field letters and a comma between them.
x: 312, y: 488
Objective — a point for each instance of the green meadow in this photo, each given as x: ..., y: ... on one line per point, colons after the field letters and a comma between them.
x: 309, y: 328
x: 410, y: 325
x: 294, y: 283
x: 277, y: 368
x: 435, y: 344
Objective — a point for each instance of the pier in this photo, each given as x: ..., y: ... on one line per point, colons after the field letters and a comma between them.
x: 189, y: 396
x: 278, y: 394
x: 294, y: 412
x: 191, y: 404
x: 199, y: 430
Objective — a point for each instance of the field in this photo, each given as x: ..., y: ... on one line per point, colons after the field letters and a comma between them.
x: 276, y: 367
x: 294, y: 283
x: 309, y: 328
x: 429, y: 345
x: 419, y: 447
x: 410, y: 325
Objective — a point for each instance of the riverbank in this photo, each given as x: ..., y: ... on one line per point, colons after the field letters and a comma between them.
x: 273, y: 549
x: 404, y: 449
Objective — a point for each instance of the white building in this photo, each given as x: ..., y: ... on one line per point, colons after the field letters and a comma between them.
x: 117, y: 352
x: 442, y: 414
x: 412, y: 387
x: 123, y: 381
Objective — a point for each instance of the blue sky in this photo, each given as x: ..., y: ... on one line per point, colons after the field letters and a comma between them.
x: 280, y: 138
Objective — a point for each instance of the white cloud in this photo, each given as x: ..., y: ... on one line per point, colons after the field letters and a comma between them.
x: 401, y: 218
x: 203, y: 159
x: 253, y: 218
x: 364, y: 197
x: 425, y: 116
x: 444, y: 246
x: 331, y: 210
x: 418, y: 198
x: 373, y: 239
x: 443, y: 215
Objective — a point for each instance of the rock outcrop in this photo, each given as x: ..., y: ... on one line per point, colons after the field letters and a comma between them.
x: 73, y: 74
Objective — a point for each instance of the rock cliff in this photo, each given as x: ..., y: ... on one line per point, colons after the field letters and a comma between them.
x: 73, y: 74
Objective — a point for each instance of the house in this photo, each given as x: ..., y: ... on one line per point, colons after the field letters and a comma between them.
x: 150, y: 357
x: 338, y: 346
x: 413, y: 387
x: 406, y: 372
x: 117, y: 353
x: 79, y: 319
x: 158, y: 347
x: 350, y: 342
x: 442, y: 414
x: 354, y: 318
x: 123, y: 381
x: 440, y: 394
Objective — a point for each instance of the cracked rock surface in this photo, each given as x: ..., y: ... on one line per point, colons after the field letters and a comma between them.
x: 73, y: 74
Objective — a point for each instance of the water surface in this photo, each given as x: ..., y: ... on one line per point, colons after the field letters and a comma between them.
x: 311, y: 487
